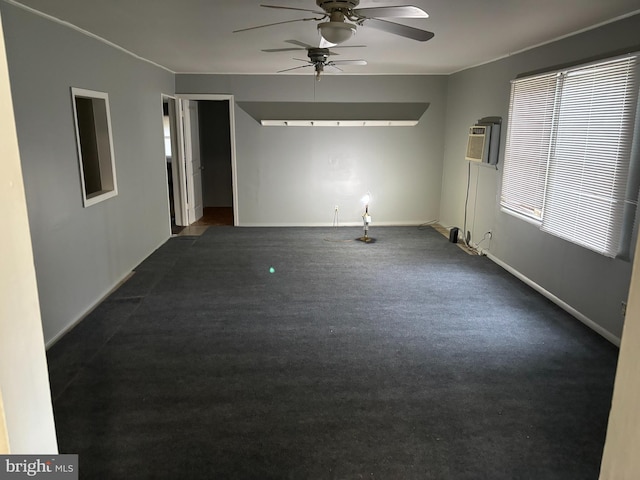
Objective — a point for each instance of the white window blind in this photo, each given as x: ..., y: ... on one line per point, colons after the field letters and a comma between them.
x: 569, y: 149
x: 528, y: 143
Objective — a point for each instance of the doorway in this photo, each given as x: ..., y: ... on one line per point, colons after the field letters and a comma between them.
x: 215, y: 159
x: 209, y: 159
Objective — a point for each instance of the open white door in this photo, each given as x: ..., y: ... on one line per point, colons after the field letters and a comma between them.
x: 193, y: 164
x: 177, y: 194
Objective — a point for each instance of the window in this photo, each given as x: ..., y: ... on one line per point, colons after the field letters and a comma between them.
x: 95, y: 145
x: 568, y: 156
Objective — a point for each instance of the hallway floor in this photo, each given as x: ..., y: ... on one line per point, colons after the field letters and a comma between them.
x: 213, y: 216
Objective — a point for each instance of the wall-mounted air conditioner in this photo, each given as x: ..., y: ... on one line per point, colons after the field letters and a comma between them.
x: 478, y: 143
x: 483, y: 142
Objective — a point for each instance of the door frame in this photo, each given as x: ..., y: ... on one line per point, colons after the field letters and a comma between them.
x: 4, y: 435
x: 178, y: 176
x: 192, y: 155
x: 183, y: 128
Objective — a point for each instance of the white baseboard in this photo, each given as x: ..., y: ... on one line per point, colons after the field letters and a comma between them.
x: 49, y: 343
x: 52, y: 341
x: 565, y: 306
x: 342, y: 224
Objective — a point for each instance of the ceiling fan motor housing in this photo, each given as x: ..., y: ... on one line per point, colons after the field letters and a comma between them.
x: 331, y: 5
x: 318, y: 55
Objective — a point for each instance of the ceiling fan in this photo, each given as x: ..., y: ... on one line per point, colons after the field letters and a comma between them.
x: 337, y: 29
x: 318, y: 57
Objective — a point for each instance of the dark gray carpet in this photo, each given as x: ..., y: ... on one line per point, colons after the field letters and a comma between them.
x: 402, y: 359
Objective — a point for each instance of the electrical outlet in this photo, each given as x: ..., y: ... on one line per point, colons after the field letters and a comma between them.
x: 624, y: 309
x: 335, y: 208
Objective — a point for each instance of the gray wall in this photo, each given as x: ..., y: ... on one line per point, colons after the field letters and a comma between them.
x: 82, y: 253
x: 593, y: 285
x: 296, y: 175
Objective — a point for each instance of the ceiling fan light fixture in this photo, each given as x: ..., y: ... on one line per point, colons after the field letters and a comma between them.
x: 336, y: 32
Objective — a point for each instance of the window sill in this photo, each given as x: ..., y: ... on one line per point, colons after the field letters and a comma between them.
x: 99, y: 197
x: 525, y: 218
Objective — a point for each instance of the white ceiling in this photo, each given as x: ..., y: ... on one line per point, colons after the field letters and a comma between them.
x: 195, y: 36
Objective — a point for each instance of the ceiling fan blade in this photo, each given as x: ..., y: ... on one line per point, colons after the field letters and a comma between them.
x: 299, y: 43
x: 404, y: 11
x: 294, y: 68
x: 349, y: 62
x: 331, y: 65
x: 294, y: 8
x: 331, y: 52
x: 282, y: 49
x: 348, y: 46
x: 301, y: 46
x: 272, y: 24
x: 398, y: 29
